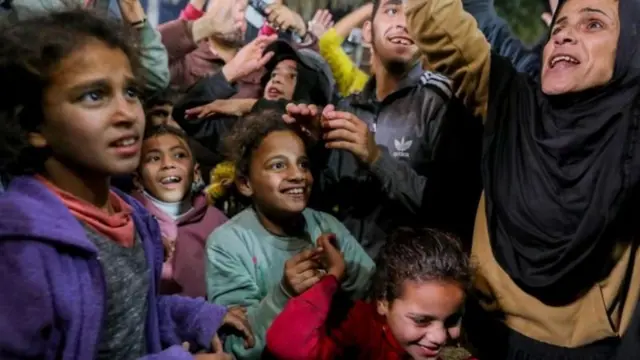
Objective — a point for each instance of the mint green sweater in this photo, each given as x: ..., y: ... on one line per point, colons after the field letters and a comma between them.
x: 245, y: 263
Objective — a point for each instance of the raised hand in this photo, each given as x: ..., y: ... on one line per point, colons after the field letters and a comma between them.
x: 302, y: 271
x: 344, y: 130
x: 283, y: 19
x: 224, y: 21
x: 321, y: 22
x: 307, y: 117
x: 249, y: 59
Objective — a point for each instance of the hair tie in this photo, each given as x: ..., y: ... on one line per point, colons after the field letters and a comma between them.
x: 221, y: 178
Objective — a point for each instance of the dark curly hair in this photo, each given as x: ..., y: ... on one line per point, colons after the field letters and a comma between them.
x: 419, y: 255
x: 30, y: 50
x: 167, y: 96
x: 248, y: 134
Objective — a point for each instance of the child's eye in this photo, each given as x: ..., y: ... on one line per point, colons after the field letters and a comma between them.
x: 180, y: 155
x: 132, y: 92
x: 304, y: 164
x: 92, y: 96
x: 422, y: 321
x: 153, y: 158
x: 277, y: 166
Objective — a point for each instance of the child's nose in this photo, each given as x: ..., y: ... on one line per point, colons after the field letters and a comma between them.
x: 167, y: 163
x: 296, y: 174
x: 437, y: 336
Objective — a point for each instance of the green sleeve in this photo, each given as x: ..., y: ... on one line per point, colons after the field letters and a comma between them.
x: 360, y: 267
x: 230, y: 283
x: 154, y: 59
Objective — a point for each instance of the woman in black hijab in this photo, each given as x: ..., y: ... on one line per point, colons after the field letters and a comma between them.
x: 555, y: 238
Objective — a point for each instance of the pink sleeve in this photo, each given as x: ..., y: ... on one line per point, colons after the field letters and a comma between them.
x: 191, y: 13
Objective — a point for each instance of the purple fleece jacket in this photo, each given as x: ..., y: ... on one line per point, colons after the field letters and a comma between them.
x: 53, y: 289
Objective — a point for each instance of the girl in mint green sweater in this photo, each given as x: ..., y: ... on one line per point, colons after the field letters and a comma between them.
x: 268, y: 253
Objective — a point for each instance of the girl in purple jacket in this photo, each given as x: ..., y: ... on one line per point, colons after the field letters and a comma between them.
x: 80, y: 263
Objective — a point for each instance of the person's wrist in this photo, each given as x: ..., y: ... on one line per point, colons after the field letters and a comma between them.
x: 132, y: 13
x: 373, y: 156
x: 138, y: 24
x: 198, y: 29
x: 230, y: 73
x: 338, y: 274
x: 286, y: 289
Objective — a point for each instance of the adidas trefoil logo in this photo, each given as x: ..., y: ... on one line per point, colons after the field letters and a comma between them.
x: 402, y: 146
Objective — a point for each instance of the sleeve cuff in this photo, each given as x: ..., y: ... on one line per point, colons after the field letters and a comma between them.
x: 191, y: 13
x: 380, y: 167
x: 209, y: 321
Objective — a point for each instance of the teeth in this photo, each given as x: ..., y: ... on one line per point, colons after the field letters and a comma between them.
x: 170, y: 180
x: 566, y: 58
x: 400, y: 41
x: 126, y: 142
x: 294, y: 191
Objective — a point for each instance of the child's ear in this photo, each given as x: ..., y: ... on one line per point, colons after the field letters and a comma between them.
x: 366, y: 33
x: 244, y: 186
x: 197, y: 174
x: 383, y: 307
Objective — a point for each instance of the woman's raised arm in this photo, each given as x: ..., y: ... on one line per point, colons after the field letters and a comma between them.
x: 454, y: 46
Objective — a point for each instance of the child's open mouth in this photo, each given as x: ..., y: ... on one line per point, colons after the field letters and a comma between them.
x: 273, y: 92
x: 295, y: 192
x: 171, y: 181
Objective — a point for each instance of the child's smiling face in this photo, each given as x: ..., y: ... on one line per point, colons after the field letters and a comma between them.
x: 279, y: 180
x: 167, y: 169
x: 93, y: 118
x: 425, y: 317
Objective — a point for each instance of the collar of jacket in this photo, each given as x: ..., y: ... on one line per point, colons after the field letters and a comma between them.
x: 368, y: 93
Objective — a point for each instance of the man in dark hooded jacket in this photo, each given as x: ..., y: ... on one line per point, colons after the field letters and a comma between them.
x: 404, y: 151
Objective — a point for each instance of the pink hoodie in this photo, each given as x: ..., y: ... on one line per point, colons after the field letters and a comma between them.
x: 184, y: 272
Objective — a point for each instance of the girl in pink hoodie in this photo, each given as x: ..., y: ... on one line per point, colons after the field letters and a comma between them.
x: 168, y: 182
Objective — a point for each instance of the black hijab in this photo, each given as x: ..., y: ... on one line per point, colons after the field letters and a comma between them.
x: 560, y: 172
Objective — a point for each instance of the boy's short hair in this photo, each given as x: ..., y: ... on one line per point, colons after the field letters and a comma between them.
x: 164, y: 97
x: 163, y: 129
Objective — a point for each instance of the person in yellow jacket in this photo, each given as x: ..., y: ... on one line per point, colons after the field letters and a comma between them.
x: 349, y: 78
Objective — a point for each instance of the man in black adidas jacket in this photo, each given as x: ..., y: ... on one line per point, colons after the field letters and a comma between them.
x: 403, y: 151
